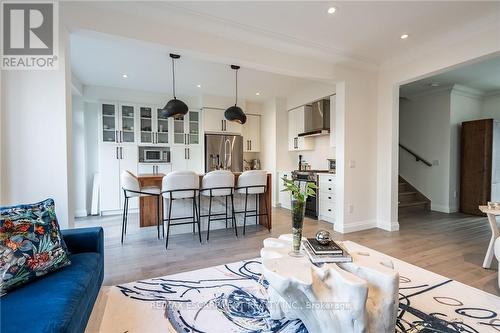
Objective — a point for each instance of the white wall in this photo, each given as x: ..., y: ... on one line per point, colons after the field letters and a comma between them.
x: 268, y: 144
x: 79, y: 156
x: 491, y: 106
x: 36, y: 131
x: 483, y: 42
x: 424, y: 127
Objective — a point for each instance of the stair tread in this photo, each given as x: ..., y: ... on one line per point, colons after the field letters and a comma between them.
x: 413, y: 203
x: 407, y: 193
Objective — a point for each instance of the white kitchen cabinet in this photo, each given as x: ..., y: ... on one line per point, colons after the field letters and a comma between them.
x: 164, y: 168
x: 113, y: 159
x: 215, y: 122
x: 117, y: 123
x: 186, y: 129
x: 251, y: 134
x: 187, y: 157
x: 326, y: 197
x: 295, y: 127
x: 285, y: 200
x: 154, y: 127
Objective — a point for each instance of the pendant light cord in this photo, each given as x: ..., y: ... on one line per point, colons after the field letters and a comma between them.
x: 236, y: 101
x: 173, y: 78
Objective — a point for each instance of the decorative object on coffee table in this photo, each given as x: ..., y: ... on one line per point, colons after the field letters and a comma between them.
x: 361, y: 296
x: 323, y: 237
x: 299, y: 193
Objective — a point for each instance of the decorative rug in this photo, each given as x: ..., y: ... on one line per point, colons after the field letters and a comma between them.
x: 232, y: 298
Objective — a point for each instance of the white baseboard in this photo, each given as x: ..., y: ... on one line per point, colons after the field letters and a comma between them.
x: 393, y: 226
x: 441, y: 208
x: 355, y: 226
x: 80, y: 213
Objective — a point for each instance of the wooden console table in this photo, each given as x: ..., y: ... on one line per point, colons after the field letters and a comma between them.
x: 148, y: 205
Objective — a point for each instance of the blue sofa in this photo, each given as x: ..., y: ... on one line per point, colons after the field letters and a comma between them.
x: 63, y: 300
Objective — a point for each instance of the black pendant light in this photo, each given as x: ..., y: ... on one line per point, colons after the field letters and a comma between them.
x: 175, y: 107
x: 235, y: 113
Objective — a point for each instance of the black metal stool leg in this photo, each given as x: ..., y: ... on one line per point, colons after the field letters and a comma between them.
x: 233, y: 216
x: 158, y: 215
x: 245, y: 213
x: 168, y: 220
x: 209, y: 215
x: 123, y: 217
x: 257, y: 218
x: 194, y: 220
x: 197, y: 218
x: 226, y: 212
x: 126, y: 214
x: 162, y: 214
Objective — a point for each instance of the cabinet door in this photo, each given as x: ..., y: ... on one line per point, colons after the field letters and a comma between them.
x: 178, y: 157
x: 127, y: 123
x: 109, y: 122
x: 193, y: 127
x: 164, y: 168
x: 213, y: 120
x: 145, y: 168
x: 109, y: 173
x: 146, y: 124
x: 162, y: 128
x: 251, y: 134
x: 300, y: 114
x: 194, y: 158
x: 128, y: 162
x: 179, y: 131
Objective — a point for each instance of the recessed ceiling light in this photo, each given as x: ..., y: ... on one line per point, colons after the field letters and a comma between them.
x: 198, y: 85
x: 404, y: 36
x: 257, y: 93
x: 434, y: 84
x: 332, y: 10
x: 124, y: 76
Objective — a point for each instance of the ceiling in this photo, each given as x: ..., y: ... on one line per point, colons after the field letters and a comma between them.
x: 365, y: 30
x: 101, y: 60
x: 483, y: 76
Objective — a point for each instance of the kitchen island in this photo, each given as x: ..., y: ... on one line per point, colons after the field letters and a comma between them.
x: 148, y: 205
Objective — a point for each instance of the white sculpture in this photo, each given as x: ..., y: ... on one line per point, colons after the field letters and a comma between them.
x: 361, y: 296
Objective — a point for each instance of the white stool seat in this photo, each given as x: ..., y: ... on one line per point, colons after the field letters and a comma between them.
x: 180, y: 180
x: 217, y: 179
x: 252, y: 178
x: 150, y: 190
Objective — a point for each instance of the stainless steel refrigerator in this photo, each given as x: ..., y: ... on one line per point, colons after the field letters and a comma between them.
x: 223, y: 152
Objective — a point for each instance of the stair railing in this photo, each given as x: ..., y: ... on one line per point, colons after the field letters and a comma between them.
x: 418, y: 158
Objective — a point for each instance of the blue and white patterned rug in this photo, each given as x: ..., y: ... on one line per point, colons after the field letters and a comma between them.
x: 232, y: 298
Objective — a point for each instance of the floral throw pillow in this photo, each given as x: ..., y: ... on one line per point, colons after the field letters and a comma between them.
x: 31, y: 244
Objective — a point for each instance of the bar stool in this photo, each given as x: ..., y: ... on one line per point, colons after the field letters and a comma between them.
x: 181, y: 185
x: 132, y: 189
x: 219, y: 183
x: 253, y: 182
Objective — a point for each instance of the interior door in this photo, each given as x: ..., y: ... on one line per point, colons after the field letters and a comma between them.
x: 109, y: 168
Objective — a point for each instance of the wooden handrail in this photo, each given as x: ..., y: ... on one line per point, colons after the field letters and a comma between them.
x: 418, y: 158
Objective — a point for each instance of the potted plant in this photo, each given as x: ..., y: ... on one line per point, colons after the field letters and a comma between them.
x: 299, y: 193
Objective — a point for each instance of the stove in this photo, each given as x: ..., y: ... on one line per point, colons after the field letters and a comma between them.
x: 309, y: 176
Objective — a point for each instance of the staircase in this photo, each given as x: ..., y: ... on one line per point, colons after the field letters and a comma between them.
x: 410, y: 200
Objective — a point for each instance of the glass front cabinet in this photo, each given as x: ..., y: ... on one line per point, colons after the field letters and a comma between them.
x: 118, y: 123
x: 187, y: 129
x: 154, y: 126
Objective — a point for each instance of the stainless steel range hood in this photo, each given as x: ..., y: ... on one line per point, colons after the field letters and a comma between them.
x: 317, y: 118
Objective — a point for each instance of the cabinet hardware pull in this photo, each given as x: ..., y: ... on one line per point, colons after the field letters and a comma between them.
x: 117, y: 153
x: 185, y: 153
x: 116, y: 136
x: 121, y: 153
x: 121, y: 136
x: 329, y: 189
x: 329, y: 210
x: 329, y: 179
x: 189, y: 154
x: 250, y: 144
x: 222, y: 125
x: 329, y: 197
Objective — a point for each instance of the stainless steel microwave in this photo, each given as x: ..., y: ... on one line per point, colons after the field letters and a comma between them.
x: 154, y: 155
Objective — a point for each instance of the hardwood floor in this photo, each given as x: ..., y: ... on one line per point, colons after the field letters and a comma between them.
x: 452, y: 245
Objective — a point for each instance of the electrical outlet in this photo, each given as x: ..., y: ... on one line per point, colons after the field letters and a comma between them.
x: 351, y: 209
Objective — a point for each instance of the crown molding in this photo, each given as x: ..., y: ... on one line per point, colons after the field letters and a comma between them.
x: 467, y: 91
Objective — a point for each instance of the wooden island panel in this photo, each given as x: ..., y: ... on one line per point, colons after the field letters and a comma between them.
x: 148, y: 205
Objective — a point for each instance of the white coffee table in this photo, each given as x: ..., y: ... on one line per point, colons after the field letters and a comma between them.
x: 495, y: 233
x: 361, y: 296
